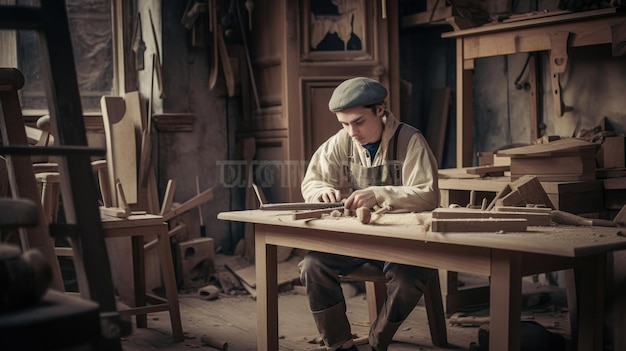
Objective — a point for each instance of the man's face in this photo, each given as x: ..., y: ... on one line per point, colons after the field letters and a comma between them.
x: 362, y: 123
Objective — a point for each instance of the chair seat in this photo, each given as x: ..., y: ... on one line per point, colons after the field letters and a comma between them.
x: 376, y: 291
x: 56, y: 322
x: 365, y: 272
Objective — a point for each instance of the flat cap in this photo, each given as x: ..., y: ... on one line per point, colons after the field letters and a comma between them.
x: 358, y: 91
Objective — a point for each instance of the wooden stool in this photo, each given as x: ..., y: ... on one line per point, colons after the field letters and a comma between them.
x: 376, y: 292
x: 137, y: 227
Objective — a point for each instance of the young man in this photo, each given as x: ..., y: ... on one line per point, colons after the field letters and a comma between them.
x: 376, y: 161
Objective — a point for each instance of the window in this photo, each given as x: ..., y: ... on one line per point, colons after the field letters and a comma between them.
x: 92, y: 41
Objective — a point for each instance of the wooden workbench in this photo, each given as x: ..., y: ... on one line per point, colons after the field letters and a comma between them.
x: 506, y: 258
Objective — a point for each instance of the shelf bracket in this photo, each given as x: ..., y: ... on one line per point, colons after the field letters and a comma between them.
x: 558, y: 65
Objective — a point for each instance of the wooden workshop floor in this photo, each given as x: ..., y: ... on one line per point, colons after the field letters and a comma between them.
x: 232, y: 319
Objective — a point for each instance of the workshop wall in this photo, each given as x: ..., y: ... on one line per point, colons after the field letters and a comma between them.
x: 185, y: 155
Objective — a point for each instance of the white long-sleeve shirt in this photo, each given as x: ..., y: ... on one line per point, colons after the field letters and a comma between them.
x: 419, y: 190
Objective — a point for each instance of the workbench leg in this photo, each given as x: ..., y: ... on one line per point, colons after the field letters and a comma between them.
x: 506, y: 301
x: 591, y: 272
x: 267, y: 292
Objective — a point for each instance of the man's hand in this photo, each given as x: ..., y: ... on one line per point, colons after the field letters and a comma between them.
x: 361, y: 198
x: 330, y: 195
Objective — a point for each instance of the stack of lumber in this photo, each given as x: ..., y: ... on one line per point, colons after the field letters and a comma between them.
x: 561, y: 160
x: 519, y: 204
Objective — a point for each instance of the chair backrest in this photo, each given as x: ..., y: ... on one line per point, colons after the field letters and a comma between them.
x: 119, y: 130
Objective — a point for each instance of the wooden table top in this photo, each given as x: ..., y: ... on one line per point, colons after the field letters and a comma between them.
x: 558, y: 240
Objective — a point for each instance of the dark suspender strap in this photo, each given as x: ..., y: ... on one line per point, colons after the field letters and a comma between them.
x: 396, y: 174
x: 395, y: 142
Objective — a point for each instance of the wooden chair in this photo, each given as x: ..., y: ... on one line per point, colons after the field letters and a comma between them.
x: 376, y: 293
x: 136, y: 227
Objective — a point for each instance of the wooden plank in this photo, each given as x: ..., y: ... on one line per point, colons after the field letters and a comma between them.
x: 489, y: 170
x: 543, y: 210
x: 532, y: 218
x: 199, y: 199
x: 121, y: 146
x: 314, y: 213
x: 466, y: 225
x: 555, y: 148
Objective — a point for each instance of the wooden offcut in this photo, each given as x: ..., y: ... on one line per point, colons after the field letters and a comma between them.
x: 513, y: 198
x: 488, y: 170
x: 531, y: 191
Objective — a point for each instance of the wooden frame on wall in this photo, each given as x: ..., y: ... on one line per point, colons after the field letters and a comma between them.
x: 325, y: 29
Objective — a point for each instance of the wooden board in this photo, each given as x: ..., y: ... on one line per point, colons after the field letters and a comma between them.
x: 121, y: 146
x: 557, y: 147
x: 466, y: 225
x: 533, y: 218
x: 491, y: 170
x: 543, y: 210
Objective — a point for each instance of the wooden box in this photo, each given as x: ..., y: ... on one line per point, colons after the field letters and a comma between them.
x: 195, y: 258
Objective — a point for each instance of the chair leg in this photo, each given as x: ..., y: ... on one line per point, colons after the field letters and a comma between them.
x: 376, y: 293
x: 435, y: 311
x: 169, y: 281
x: 139, y: 279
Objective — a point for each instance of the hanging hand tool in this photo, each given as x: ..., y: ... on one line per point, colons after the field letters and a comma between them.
x: 139, y: 46
x: 159, y: 68
x: 227, y: 69
x: 248, y: 60
x: 214, y: 50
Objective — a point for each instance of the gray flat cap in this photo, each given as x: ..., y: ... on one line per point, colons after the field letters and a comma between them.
x: 358, y: 91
